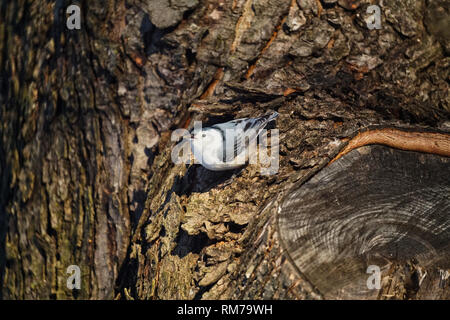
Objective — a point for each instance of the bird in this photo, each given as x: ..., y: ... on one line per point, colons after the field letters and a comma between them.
x: 211, y: 146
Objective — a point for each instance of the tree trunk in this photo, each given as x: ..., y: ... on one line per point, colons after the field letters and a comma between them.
x: 87, y: 115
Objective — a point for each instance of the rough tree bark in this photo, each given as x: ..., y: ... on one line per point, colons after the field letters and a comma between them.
x: 86, y: 120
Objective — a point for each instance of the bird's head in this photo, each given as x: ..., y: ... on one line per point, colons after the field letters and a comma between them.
x: 199, y: 136
x: 203, y: 139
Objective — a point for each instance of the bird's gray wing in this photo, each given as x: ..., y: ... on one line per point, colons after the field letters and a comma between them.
x: 238, y: 130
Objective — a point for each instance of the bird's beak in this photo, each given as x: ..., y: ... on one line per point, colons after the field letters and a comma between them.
x: 192, y: 136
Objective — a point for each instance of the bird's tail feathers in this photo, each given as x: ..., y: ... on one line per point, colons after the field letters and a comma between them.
x: 272, y: 116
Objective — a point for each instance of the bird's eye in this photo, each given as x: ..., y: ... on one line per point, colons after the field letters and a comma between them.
x: 203, y: 135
